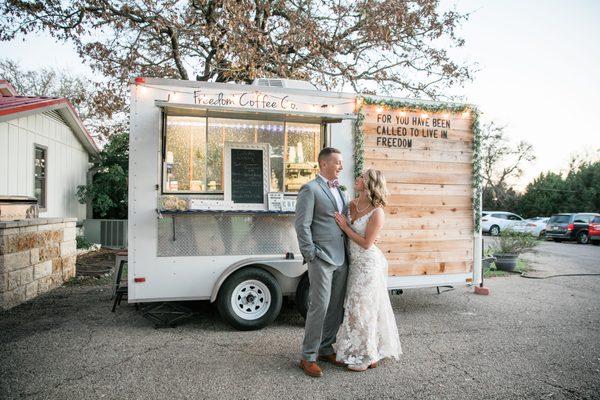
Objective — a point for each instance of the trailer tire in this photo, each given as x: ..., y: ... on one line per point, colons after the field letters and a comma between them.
x: 250, y: 299
x: 302, y: 296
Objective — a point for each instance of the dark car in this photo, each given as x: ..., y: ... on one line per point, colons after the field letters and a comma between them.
x: 594, y: 231
x: 570, y: 227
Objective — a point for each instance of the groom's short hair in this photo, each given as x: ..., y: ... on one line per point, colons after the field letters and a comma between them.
x: 326, y: 152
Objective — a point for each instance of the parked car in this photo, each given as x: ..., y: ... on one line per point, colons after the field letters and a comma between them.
x: 594, y: 231
x: 570, y: 226
x: 493, y: 222
x: 535, y: 226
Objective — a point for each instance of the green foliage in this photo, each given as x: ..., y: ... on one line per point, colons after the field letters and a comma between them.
x: 82, y: 242
x: 550, y: 193
x: 511, y: 242
x: 500, y: 197
x: 108, y: 190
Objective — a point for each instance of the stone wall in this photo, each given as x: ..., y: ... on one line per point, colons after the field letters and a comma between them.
x: 36, y: 255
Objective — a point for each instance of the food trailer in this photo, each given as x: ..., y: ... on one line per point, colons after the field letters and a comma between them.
x: 214, y: 170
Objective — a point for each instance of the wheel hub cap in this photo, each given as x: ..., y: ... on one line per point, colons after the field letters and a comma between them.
x: 251, y: 299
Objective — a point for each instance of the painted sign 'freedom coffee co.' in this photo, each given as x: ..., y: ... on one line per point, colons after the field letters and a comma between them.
x: 257, y: 100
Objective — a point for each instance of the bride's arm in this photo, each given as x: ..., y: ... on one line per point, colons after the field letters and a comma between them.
x: 373, y: 227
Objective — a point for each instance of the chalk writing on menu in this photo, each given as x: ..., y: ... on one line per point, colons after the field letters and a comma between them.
x: 247, y: 176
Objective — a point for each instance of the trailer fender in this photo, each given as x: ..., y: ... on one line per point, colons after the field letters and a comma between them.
x: 280, y: 268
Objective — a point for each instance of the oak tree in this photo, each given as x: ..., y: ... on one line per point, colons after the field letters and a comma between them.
x: 396, y: 46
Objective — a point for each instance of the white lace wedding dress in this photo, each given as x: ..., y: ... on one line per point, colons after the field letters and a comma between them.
x: 368, y: 332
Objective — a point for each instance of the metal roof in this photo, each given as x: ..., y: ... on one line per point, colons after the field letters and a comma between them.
x: 12, y: 107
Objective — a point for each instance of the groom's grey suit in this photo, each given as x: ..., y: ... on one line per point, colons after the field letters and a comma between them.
x: 323, y: 246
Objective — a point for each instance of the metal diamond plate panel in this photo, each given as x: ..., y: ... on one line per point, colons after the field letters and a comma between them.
x: 219, y: 235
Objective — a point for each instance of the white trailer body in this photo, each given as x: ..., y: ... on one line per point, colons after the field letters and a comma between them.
x: 189, y: 254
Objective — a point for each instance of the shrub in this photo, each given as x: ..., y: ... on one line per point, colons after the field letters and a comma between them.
x: 511, y: 242
x: 82, y: 242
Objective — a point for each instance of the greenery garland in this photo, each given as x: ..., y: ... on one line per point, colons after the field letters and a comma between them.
x: 359, y: 139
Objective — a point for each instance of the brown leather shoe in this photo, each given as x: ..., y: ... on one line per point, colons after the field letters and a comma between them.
x: 311, y: 368
x: 331, y: 358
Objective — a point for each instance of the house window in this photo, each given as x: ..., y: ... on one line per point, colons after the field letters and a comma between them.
x: 193, y: 159
x: 40, y: 173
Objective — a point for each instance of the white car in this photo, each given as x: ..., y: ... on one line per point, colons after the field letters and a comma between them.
x: 493, y: 222
x: 535, y: 226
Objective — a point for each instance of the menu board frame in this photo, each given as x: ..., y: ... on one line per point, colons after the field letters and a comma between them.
x: 266, y: 165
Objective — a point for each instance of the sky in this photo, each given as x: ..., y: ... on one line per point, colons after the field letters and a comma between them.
x: 538, y: 72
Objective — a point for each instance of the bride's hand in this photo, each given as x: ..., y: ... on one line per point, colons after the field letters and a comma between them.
x: 341, y: 221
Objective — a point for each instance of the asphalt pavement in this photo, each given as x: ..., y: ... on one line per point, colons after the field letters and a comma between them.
x: 529, y: 339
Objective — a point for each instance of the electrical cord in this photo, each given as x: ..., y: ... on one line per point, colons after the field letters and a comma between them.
x: 524, y: 275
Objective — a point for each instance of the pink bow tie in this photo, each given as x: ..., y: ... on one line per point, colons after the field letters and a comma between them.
x: 334, y: 183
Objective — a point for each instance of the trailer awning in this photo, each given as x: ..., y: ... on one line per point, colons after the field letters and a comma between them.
x: 183, y: 109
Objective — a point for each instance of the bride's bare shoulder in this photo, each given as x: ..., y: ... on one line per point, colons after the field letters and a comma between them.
x: 379, y: 212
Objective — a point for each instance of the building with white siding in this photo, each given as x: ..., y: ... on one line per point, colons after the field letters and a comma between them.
x: 44, y: 152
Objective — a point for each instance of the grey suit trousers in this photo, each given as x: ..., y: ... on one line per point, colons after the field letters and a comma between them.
x: 326, y: 307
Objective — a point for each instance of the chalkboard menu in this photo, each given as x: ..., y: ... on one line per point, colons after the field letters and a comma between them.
x: 247, y: 180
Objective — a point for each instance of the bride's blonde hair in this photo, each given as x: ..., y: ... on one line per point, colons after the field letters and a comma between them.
x: 375, y: 186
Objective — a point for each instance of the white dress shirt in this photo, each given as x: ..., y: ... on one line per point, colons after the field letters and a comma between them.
x: 336, y: 194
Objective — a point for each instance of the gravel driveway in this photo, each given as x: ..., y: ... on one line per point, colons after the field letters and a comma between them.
x: 530, y: 339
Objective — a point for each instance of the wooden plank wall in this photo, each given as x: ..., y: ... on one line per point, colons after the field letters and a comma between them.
x: 429, y: 223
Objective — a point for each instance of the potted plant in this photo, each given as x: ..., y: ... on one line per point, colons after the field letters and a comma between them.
x: 511, y: 244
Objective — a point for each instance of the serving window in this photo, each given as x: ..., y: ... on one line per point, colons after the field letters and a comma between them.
x: 194, y: 152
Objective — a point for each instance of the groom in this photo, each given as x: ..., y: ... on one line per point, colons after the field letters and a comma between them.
x: 323, y: 246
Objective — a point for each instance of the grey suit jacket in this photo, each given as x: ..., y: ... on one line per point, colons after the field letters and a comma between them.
x: 318, y: 233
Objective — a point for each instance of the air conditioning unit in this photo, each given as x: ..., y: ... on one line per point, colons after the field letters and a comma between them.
x: 284, y: 83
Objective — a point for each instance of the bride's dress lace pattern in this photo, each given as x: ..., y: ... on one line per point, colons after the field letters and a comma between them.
x: 368, y: 332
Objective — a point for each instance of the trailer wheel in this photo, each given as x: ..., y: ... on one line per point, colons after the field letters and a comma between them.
x: 250, y: 299
x: 302, y: 296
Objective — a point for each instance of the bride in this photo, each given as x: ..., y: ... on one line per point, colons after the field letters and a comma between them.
x: 368, y: 332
